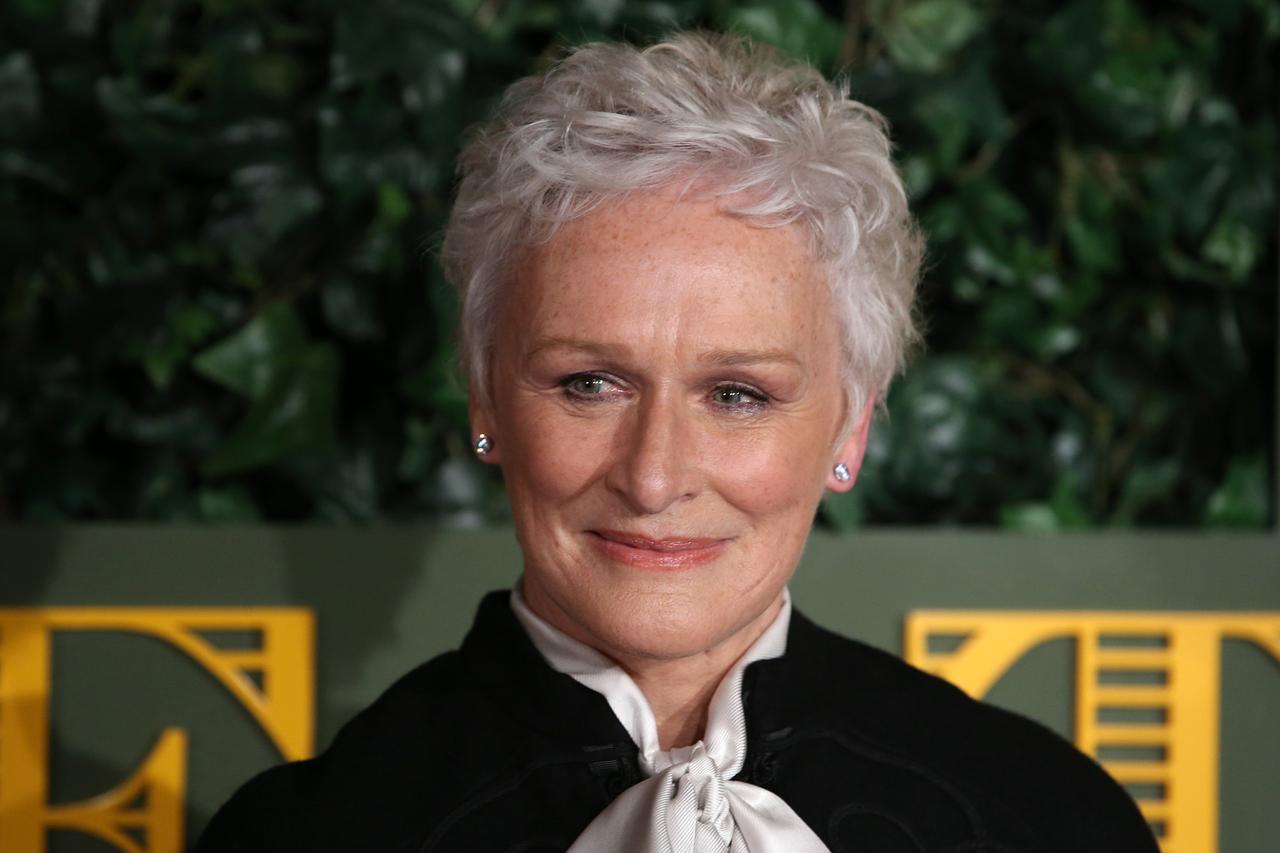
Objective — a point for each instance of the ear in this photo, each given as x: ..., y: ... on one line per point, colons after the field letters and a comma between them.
x: 851, y: 450
x: 483, y: 422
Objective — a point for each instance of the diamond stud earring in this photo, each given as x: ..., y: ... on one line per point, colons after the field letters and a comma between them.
x: 484, y: 445
x: 842, y: 472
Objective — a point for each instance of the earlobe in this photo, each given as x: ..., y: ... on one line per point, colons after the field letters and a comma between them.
x: 483, y: 441
x: 848, y: 460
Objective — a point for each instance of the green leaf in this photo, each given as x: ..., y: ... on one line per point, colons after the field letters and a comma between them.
x: 1118, y: 69
x: 1146, y: 484
x: 436, y: 387
x: 1029, y: 518
x: 161, y: 361
x: 349, y: 307
x: 294, y: 412
x: 1271, y: 18
x: 188, y: 325
x: 1241, y: 499
x: 155, y: 127
x: 420, y: 454
x: 82, y: 16
x: 1055, y: 340
x: 1222, y: 13
x: 291, y: 385
x: 798, y: 27
x: 414, y: 42
x: 1063, y: 510
x: 1093, y: 246
x: 394, y: 206
x: 348, y: 488
x: 231, y: 505
x: 1234, y: 246
x: 924, y: 35
x: 276, y: 76
x: 917, y: 175
x: 19, y: 94
x: 39, y: 8
x: 249, y: 361
x: 363, y: 144
x: 958, y: 111
x: 601, y: 12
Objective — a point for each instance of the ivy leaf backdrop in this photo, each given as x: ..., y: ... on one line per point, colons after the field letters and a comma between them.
x: 221, y: 304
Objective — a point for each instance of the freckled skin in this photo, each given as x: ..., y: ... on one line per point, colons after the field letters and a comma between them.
x: 662, y: 445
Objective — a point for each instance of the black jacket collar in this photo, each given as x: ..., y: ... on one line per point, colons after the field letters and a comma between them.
x: 500, y: 658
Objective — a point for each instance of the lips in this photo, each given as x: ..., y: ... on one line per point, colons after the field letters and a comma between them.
x: 666, y: 554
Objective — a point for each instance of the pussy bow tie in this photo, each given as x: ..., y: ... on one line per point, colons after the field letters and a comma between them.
x: 688, y: 803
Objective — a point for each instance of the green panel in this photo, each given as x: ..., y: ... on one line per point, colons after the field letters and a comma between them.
x: 386, y: 599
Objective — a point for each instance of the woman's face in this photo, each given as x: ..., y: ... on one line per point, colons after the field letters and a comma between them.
x: 666, y: 405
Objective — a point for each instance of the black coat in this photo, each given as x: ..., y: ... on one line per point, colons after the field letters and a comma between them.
x: 489, y: 749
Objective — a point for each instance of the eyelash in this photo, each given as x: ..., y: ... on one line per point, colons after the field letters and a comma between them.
x: 756, y: 400
x: 568, y: 382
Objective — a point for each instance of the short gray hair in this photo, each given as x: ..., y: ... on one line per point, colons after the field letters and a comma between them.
x: 717, y: 112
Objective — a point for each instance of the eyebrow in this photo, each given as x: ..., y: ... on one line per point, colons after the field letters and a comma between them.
x: 719, y: 358
x: 736, y: 358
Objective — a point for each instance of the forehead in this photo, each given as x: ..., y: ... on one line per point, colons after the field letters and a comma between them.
x: 660, y: 266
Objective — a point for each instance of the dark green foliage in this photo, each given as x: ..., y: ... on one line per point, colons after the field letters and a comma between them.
x: 220, y: 303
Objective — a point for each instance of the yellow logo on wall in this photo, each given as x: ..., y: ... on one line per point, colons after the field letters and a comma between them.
x: 152, y: 801
x: 1146, y: 685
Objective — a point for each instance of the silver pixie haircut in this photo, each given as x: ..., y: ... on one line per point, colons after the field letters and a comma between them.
x: 707, y: 113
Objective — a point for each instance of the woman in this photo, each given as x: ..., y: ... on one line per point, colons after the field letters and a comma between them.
x: 686, y: 275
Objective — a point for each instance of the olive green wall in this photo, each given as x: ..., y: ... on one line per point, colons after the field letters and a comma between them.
x: 387, y: 598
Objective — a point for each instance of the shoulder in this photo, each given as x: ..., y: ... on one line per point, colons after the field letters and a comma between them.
x: 479, y: 747
x: 385, y: 760
x: 994, y: 758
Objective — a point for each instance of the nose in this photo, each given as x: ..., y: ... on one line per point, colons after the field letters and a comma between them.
x: 654, y: 463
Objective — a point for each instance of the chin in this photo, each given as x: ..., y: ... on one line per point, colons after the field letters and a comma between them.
x: 660, y: 630
x: 658, y: 645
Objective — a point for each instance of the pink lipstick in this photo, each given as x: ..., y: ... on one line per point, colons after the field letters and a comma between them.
x: 668, y: 554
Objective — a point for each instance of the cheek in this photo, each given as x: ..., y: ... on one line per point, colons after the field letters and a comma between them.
x: 558, y: 458
x: 779, y: 473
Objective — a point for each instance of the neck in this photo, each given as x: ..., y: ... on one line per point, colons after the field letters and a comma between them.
x: 679, y: 690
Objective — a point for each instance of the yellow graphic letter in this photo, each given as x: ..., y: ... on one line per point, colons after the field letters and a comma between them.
x: 1147, y: 685
x: 150, y: 803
